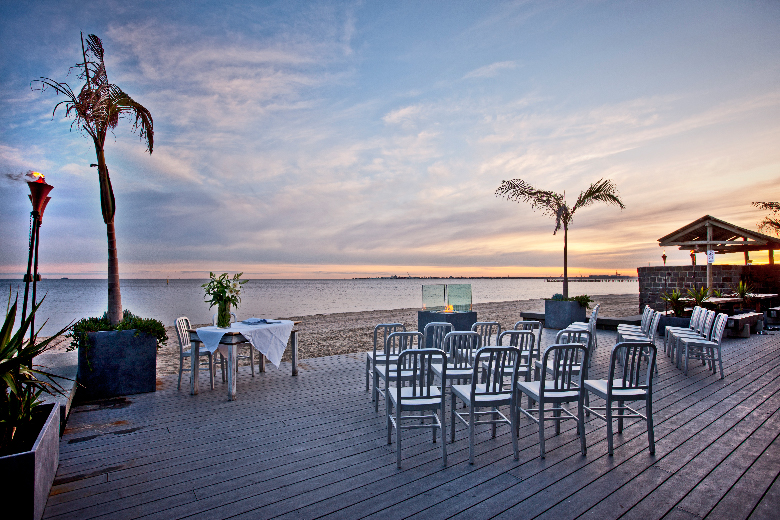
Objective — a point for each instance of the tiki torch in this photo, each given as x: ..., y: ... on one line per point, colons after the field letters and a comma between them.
x: 39, y: 192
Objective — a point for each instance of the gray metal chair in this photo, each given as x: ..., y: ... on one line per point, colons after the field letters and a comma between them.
x: 381, y: 332
x: 396, y: 343
x: 704, y: 350
x: 435, y: 332
x: 525, y: 342
x: 182, y: 324
x: 566, y: 337
x: 631, y: 384
x: 652, y: 332
x: 493, y: 392
x: 702, y: 330
x: 460, y: 347
x: 488, y: 331
x: 536, y: 327
x: 415, y: 391
x: 590, y: 326
x: 694, y: 326
x: 625, y: 328
x: 563, y: 384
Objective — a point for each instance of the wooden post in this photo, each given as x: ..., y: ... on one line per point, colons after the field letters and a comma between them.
x: 747, y: 255
x: 771, y: 257
x: 709, y: 265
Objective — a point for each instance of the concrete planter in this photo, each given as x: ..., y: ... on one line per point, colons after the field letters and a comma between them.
x: 26, y: 478
x: 672, y: 321
x: 117, y: 363
x: 561, y: 314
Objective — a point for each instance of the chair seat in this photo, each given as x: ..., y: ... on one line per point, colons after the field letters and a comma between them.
x: 463, y: 392
x: 381, y: 359
x: 409, y: 401
x: 531, y: 388
x: 698, y: 342
x: 523, y: 369
x: 599, y: 387
x: 575, y: 369
x: 635, y: 338
x: 188, y: 353
x: 452, y: 372
x: 382, y: 371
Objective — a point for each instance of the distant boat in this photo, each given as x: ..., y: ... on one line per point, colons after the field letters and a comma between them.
x: 64, y: 278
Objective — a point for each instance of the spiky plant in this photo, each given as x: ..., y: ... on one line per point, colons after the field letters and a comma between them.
x: 96, y: 109
x: 554, y: 205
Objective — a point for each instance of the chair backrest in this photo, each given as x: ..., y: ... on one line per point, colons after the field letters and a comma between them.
x: 532, y: 325
x: 565, y: 374
x: 398, y: 342
x: 719, y: 327
x: 524, y: 340
x: 631, y: 374
x: 416, y: 363
x: 566, y: 337
x: 646, y: 323
x: 496, y: 361
x: 594, y: 316
x: 383, y: 330
x: 438, y: 329
x: 695, y: 315
x: 232, y: 320
x: 645, y: 317
x: 182, y: 324
x: 651, y: 333
x: 709, y: 321
x: 486, y: 331
x: 460, y: 347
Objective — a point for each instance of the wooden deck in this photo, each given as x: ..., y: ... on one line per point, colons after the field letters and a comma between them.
x: 312, y: 446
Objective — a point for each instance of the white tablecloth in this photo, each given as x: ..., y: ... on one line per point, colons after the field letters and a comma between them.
x: 269, y: 339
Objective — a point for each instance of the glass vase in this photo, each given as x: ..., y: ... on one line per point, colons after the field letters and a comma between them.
x: 223, y: 315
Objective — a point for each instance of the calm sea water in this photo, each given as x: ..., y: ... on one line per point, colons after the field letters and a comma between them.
x: 68, y: 300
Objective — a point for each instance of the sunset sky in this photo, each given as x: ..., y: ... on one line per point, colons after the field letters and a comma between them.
x: 341, y: 139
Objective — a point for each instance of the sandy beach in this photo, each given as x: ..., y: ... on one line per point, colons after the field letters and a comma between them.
x: 343, y: 333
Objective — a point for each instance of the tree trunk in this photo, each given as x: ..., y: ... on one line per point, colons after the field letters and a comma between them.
x: 565, y: 261
x: 114, y: 294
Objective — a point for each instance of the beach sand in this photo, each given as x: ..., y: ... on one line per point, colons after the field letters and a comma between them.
x: 347, y: 332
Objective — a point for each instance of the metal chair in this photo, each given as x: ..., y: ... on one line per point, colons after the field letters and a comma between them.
x: 630, y: 385
x: 460, y: 347
x: 438, y: 330
x: 704, y: 350
x: 372, y: 357
x: 250, y: 357
x: 702, y: 330
x: 650, y: 337
x: 581, y: 337
x: 590, y: 326
x: 525, y: 342
x: 535, y: 326
x: 419, y: 394
x: 487, y: 330
x: 491, y: 393
x: 565, y: 386
x: 693, y: 327
x: 182, y: 324
x: 624, y: 328
x: 395, y: 344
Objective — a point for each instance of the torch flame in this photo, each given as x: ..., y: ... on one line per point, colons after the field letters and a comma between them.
x: 36, y: 177
x: 449, y: 308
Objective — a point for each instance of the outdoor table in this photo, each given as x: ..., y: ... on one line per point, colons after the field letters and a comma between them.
x: 269, y: 339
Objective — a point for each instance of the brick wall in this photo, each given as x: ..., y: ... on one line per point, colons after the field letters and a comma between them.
x: 655, y: 280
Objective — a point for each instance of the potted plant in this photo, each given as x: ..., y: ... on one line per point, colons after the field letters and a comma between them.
x: 117, y: 359
x: 223, y: 292
x: 676, y: 302
x: 560, y: 312
x: 29, y: 429
x: 743, y: 290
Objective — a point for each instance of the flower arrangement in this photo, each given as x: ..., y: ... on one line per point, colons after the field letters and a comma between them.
x: 223, y: 292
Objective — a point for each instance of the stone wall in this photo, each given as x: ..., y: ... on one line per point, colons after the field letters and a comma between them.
x: 655, y: 280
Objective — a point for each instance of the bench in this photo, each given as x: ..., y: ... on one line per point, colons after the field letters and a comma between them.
x: 739, y: 325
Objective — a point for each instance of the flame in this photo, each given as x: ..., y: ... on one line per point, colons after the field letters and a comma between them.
x: 36, y: 177
x: 449, y: 308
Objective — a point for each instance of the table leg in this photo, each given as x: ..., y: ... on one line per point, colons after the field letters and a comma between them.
x: 232, y: 354
x: 262, y: 362
x: 194, y: 367
x: 294, y: 352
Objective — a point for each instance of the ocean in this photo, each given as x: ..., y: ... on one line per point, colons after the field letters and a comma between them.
x: 68, y: 300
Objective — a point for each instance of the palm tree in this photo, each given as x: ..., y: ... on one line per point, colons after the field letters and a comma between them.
x: 96, y: 109
x: 554, y: 205
x: 770, y: 222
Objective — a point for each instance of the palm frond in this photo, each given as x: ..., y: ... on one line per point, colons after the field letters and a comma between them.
x: 603, y: 190
x: 769, y: 223
x: 123, y: 104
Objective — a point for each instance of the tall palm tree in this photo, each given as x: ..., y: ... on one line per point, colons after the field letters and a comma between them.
x: 554, y: 205
x: 96, y: 109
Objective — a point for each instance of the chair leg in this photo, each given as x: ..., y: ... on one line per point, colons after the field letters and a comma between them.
x: 211, y: 370
x: 514, y: 427
x: 471, y: 433
x: 181, y: 368
x: 494, y: 416
x: 376, y: 401
x: 398, y: 433
x: 452, y: 418
x: 581, y: 425
x: 650, y: 432
x: 389, y: 422
x: 443, y: 434
x: 252, y: 359
x: 720, y: 361
x: 621, y: 411
x: 368, y: 367
x: 609, y: 426
x: 541, y: 428
x: 685, y: 370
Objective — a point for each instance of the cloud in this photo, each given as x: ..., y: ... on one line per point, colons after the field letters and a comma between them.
x: 492, y: 70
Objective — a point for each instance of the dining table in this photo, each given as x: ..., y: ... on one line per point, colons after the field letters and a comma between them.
x: 268, y: 337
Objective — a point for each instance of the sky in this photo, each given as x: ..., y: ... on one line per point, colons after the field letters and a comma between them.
x: 348, y: 139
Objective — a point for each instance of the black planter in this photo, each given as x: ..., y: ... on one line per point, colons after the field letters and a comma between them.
x: 117, y: 363
x: 460, y: 320
x: 26, y: 477
x: 560, y: 314
x: 672, y: 321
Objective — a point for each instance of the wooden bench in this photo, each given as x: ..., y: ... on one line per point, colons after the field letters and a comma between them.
x: 739, y: 325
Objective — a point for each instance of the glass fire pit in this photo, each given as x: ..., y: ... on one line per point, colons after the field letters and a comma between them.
x: 446, y: 302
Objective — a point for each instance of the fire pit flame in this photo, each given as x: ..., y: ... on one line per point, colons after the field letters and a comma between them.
x: 36, y: 177
x: 449, y: 308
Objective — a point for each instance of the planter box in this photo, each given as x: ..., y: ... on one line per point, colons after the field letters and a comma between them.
x: 672, y: 321
x: 117, y: 363
x: 26, y: 478
x: 460, y: 320
x: 561, y: 314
